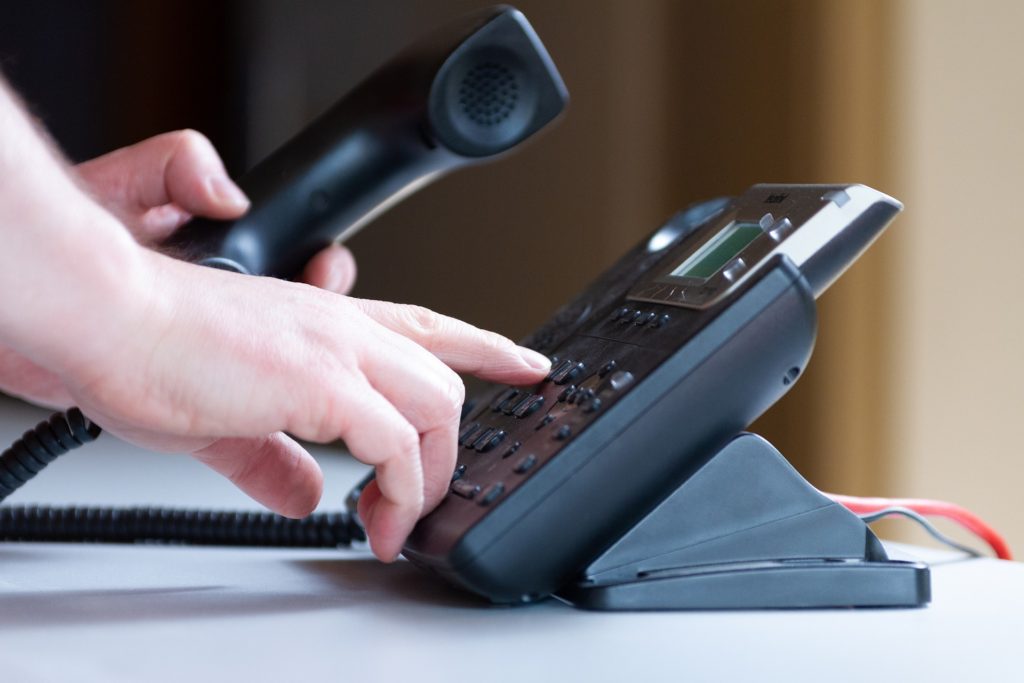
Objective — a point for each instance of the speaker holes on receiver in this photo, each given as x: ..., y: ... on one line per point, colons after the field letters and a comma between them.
x: 488, y: 93
x: 791, y: 376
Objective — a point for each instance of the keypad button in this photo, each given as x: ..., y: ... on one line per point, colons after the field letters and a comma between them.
x: 627, y: 315
x: 548, y: 419
x: 503, y: 398
x: 530, y: 408
x: 526, y: 464
x: 483, y: 438
x: 662, y: 320
x: 620, y: 380
x: 466, y: 433
x: 621, y: 313
x: 558, y: 369
x: 733, y: 270
x: 464, y: 488
x: 492, y: 442
x: 492, y: 494
x: 563, y: 433
x: 576, y: 372
x: 592, y: 406
x: 610, y: 366
x: 512, y: 449
x: 459, y: 471
x: 513, y: 406
x: 637, y: 316
x: 566, y: 393
x: 568, y: 374
x: 647, y: 318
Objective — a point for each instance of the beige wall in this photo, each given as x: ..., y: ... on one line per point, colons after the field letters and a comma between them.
x: 958, y: 345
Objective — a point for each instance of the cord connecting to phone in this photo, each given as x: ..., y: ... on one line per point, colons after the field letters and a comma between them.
x: 66, y: 431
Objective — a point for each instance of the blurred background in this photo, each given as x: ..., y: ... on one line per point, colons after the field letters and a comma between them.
x: 918, y: 376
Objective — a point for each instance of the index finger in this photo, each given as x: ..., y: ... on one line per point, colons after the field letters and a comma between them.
x: 461, y: 346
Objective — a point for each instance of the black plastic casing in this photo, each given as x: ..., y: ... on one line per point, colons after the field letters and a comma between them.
x: 700, y: 378
x: 468, y: 93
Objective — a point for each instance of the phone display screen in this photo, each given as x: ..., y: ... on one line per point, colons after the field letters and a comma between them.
x: 718, y: 251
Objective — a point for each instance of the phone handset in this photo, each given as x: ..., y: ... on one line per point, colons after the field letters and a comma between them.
x: 464, y: 95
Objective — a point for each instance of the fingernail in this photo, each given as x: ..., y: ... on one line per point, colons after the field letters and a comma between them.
x: 537, y: 361
x: 335, y: 277
x: 226, y: 192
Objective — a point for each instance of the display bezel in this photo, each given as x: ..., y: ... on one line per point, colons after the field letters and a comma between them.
x: 796, y: 222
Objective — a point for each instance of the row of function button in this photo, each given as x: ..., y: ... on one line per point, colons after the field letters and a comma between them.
x: 517, y: 403
x: 469, y: 490
x: 521, y: 404
x: 627, y: 316
x: 565, y: 371
x: 482, y: 440
x: 585, y: 397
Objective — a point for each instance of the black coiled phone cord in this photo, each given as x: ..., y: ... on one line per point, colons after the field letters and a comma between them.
x: 64, y: 432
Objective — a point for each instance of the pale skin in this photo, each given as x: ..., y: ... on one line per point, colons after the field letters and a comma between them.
x: 178, y: 357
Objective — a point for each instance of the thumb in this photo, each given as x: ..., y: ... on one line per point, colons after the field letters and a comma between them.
x: 157, y: 184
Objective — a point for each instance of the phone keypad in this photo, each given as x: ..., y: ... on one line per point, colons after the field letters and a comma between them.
x: 512, y: 434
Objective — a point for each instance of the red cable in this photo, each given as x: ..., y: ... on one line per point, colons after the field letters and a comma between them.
x: 930, y: 508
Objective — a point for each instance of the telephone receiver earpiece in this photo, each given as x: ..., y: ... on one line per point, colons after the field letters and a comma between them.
x: 466, y: 94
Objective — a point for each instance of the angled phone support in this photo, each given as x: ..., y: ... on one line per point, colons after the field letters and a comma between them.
x: 746, y: 531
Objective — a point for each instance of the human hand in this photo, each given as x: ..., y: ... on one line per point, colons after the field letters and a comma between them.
x: 179, y: 357
x: 182, y: 357
x: 154, y: 187
x: 212, y: 357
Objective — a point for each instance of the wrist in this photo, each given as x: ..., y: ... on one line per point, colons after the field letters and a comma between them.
x: 81, y: 289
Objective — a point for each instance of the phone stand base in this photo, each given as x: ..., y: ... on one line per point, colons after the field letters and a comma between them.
x: 746, y: 531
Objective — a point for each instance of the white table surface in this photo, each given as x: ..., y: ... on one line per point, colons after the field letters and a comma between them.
x: 148, y: 613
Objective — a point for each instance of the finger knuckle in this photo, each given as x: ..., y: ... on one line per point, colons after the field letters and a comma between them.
x: 190, y: 140
x: 406, y: 442
x: 423, y: 322
x: 452, y: 394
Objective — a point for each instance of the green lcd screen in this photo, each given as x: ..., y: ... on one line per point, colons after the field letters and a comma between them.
x: 718, y: 251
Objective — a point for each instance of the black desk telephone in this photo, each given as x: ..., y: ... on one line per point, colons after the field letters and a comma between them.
x: 624, y: 480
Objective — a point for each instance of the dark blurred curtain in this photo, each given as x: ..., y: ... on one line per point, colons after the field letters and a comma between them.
x: 108, y: 73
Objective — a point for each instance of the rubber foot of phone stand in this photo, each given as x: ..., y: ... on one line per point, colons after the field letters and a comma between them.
x: 746, y: 531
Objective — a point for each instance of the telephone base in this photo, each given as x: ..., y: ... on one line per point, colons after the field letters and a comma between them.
x: 746, y: 531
